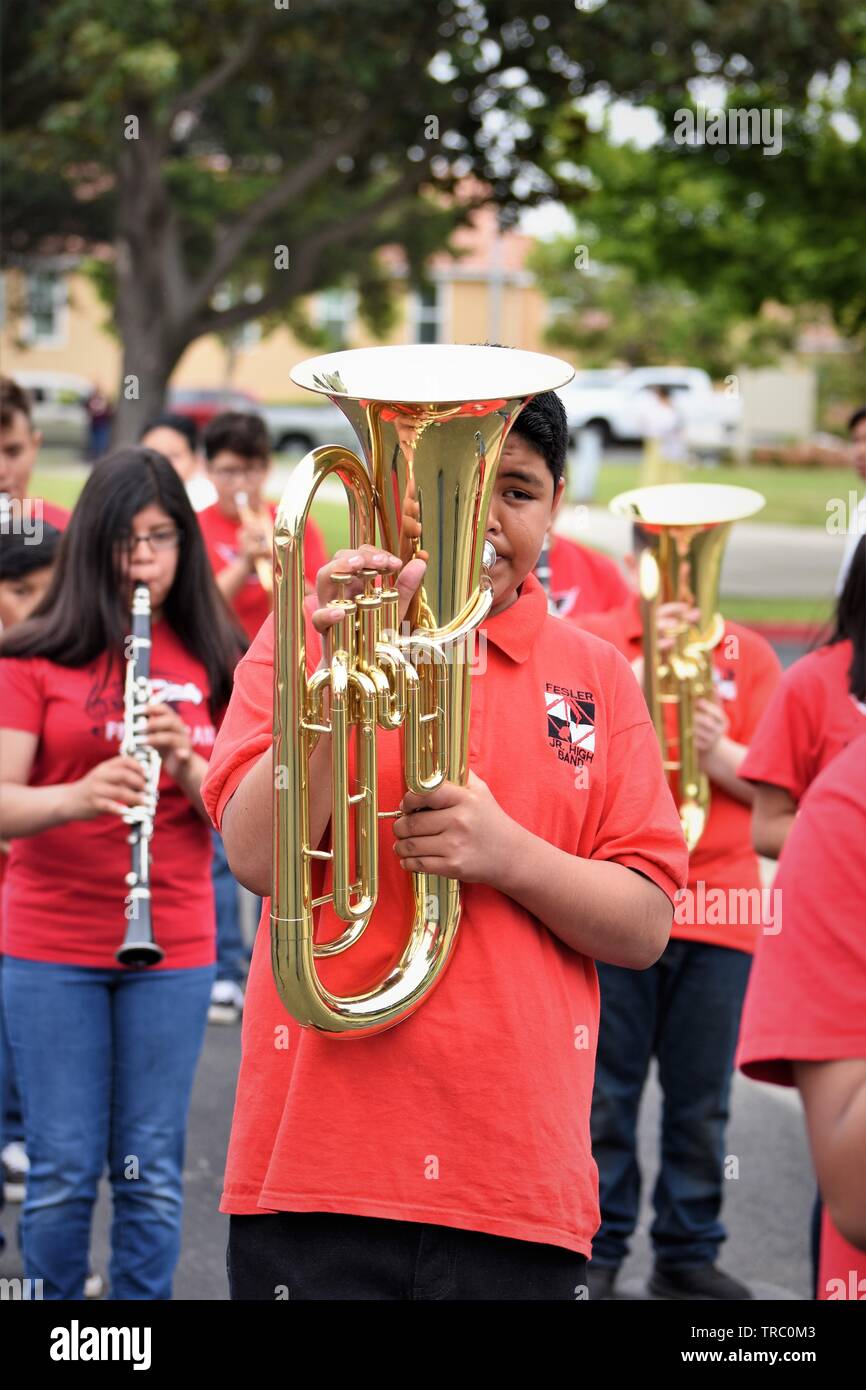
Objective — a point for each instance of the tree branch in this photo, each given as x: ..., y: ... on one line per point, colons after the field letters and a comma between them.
x: 293, y: 183
x: 195, y: 98
x: 300, y: 278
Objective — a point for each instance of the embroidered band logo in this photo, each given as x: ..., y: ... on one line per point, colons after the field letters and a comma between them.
x: 570, y: 723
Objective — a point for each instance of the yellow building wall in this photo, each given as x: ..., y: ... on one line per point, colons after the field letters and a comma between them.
x: 89, y: 349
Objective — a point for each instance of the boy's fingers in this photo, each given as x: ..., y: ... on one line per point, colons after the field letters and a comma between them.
x: 409, y: 580
x: 422, y: 824
x: 323, y: 618
x: 446, y: 795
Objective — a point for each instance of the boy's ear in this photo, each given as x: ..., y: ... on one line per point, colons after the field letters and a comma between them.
x: 558, y: 494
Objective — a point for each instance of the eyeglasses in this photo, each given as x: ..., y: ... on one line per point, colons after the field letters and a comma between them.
x: 164, y: 538
x: 238, y: 470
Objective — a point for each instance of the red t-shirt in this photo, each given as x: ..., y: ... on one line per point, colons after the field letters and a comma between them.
x: 810, y: 719
x: 723, y: 904
x: 583, y: 580
x: 54, y: 515
x: 252, y: 603
x: 473, y: 1113
x: 64, y: 889
x: 806, y: 999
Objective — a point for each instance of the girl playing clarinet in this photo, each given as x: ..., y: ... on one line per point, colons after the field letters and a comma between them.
x: 106, y: 1055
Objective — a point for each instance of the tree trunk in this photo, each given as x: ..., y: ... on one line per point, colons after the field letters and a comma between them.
x: 153, y: 316
x: 147, y: 365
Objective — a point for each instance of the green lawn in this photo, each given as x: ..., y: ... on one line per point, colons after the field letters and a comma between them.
x: 807, y: 491
x: 795, y: 496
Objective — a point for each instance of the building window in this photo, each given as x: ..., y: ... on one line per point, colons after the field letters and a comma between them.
x: 428, y: 315
x: 46, y: 308
x: 335, y: 312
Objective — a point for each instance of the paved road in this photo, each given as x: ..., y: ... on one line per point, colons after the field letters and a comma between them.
x: 767, y: 1207
x: 776, y: 561
x: 760, y: 560
x: 771, y: 561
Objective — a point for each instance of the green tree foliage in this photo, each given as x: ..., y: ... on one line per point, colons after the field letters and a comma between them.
x: 181, y: 144
x: 703, y: 234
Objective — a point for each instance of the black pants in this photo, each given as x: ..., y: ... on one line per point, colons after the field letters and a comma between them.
x: 323, y: 1255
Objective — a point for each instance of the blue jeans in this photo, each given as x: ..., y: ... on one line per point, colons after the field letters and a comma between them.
x: 106, y: 1060
x: 685, y: 1011
x: 11, y: 1121
x: 232, y: 955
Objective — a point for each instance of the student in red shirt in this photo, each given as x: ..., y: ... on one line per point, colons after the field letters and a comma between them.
x: 176, y: 438
x: 19, y: 446
x: 685, y: 1010
x: 26, y: 566
x: 106, y: 1055
x: 578, y: 580
x: 819, y: 708
x: 237, y: 450
x: 575, y: 578
x: 804, y: 1020
x: 449, y: 1157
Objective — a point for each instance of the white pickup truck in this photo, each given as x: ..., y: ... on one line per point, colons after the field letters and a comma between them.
x: 613, y: 403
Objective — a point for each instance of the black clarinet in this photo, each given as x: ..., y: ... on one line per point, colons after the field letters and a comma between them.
x: 139, y: 950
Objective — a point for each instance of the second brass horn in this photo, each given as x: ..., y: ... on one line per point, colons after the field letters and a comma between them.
x: 685, y: 527
x: 432, y: 422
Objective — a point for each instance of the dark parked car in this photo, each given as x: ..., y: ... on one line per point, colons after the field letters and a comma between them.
x: 202, y: 405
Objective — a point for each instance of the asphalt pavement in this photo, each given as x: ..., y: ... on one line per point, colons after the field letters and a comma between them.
x: 767, y: 1207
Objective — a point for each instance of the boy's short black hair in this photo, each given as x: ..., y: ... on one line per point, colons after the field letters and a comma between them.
x: 543, y: 425
x: 858, y: 415
x: 21, y: 555
x: 13, y: 398
x: 240, y: 432
x: 181, y: 424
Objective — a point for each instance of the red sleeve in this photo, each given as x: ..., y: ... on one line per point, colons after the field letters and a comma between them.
x: 639, y: 825
x: 22, y: 694
x: 761, y: 675
x: 247, y: 728
x: 781, y: 750
x: 808, y: 981
x: 54, y: 515
x: 612, y: 581
x: 612, y: 625
x: 315, y: 554
x: 204, y: 520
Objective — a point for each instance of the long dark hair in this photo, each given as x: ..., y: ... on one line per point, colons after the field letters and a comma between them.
x: 850, y: 623
x: 80, y: 617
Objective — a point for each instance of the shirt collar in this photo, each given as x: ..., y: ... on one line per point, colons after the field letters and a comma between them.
x: 515, y: 630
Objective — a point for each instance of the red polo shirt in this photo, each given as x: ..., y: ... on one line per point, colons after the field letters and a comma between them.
x: 474, y: 1112
x: 806, y: 999
x: 252, y: 603
x: 64, y: 889
x: 810, y: 719
x: 583, y: 580
x: 746, y: 671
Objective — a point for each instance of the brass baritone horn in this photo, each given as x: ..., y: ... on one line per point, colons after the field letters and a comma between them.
x: 432, y: 422
x: 685, y: 529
